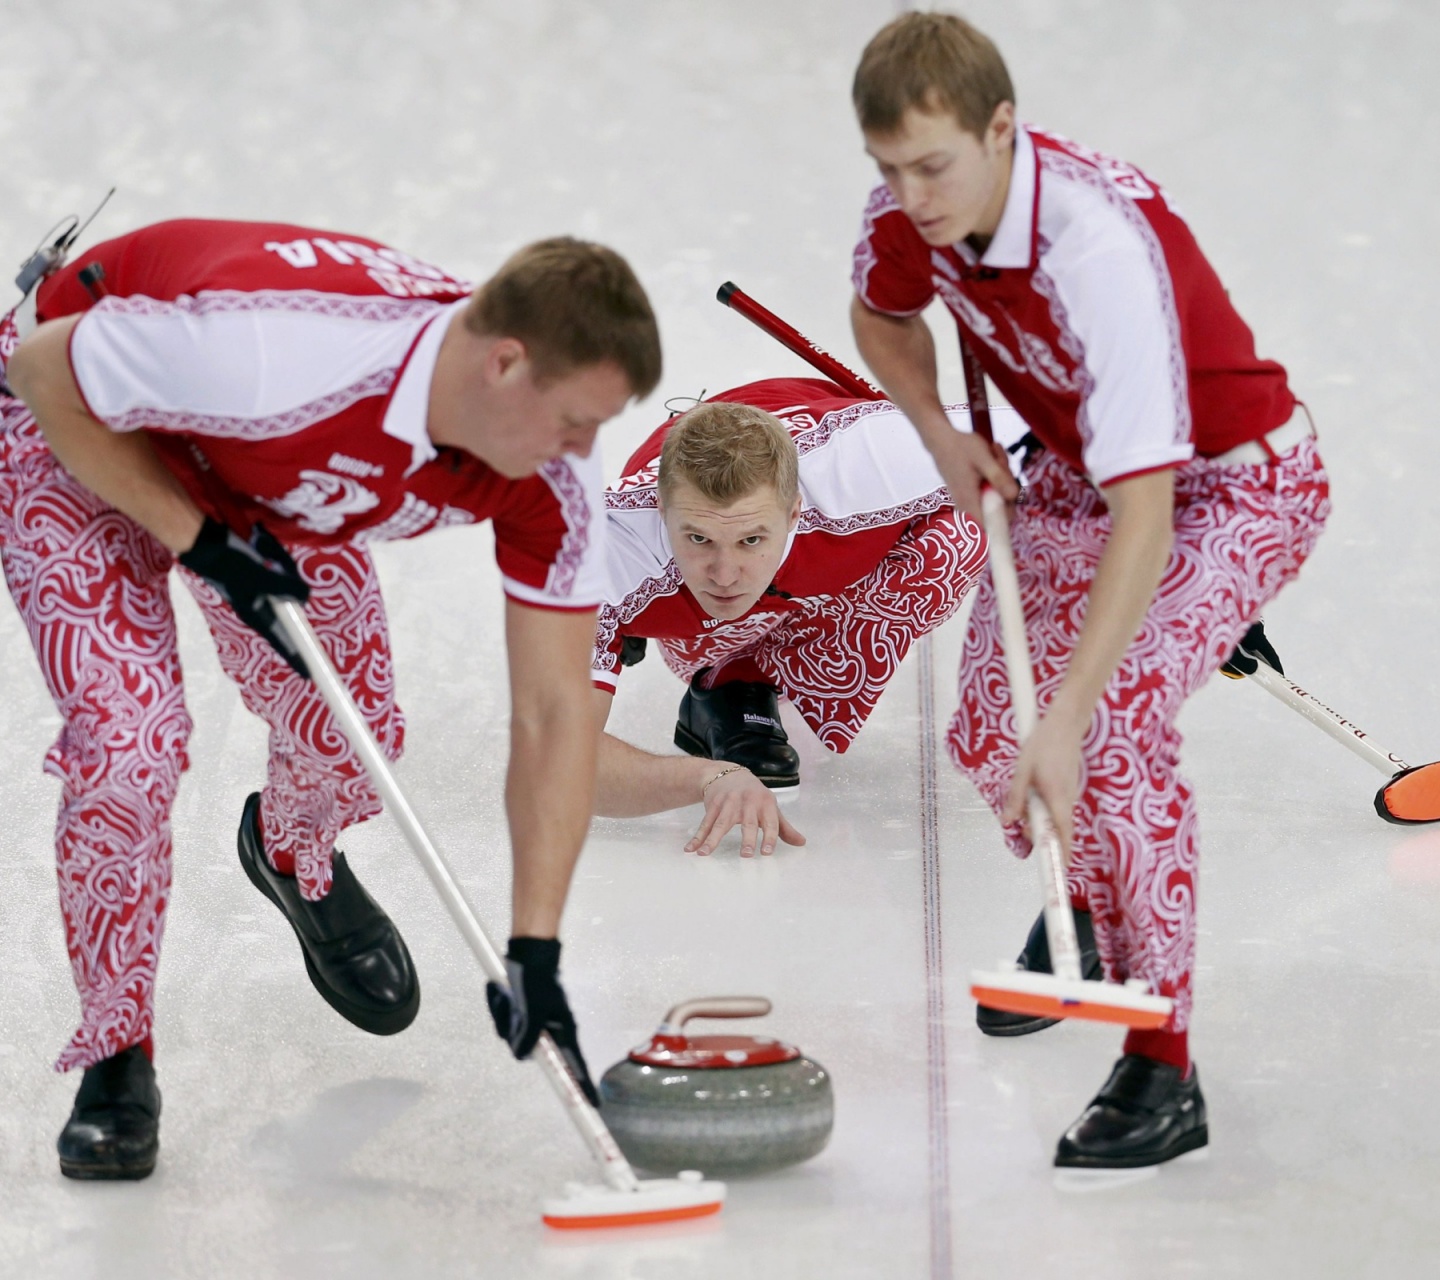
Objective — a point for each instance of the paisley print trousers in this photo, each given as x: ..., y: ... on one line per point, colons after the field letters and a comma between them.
x: 832, y: 656
x: 93, y: 590
x: 1241, y: 533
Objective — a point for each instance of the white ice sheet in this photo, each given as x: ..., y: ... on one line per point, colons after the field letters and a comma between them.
x: 713, y: 142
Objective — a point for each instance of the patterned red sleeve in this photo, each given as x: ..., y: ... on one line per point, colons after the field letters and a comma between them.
x: 550, y: 536
x: 605, y: 660
x: 892, y: 262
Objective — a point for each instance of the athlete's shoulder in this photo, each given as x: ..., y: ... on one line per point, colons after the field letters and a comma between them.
x: 1088, y: 195
x: 185, y: 257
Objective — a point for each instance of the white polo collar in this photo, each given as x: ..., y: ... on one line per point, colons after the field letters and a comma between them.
x: 409, y: 409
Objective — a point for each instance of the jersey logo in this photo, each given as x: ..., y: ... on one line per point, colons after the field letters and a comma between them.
x: 397, y: 273
x: 1032, y: 356
x: 322, y: 502
x: 356, y: 467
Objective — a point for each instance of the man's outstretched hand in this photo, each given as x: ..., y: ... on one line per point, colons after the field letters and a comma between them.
x: 536, y: 1003
x: 247, y: 572
x: 740, y: 799
x: 1252, y: 650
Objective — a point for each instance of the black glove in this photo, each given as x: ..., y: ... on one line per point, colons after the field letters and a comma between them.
x: 535, y: 1003
x: 247, y: 574
x: 1252, y: 650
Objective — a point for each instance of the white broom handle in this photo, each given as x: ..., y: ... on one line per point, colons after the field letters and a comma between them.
x: 1059, y: 920
x: 586, y: 1118
x: 1339, y: 728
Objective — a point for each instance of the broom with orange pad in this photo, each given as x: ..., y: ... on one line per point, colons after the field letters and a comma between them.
x: 1410, y: 797
x: 622, y: 1200
x: 1062, y: 993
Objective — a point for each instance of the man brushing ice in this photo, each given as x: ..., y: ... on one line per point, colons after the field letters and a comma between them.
x: 1178, y: 490
x: 257, y: 403
x: 781, y: 540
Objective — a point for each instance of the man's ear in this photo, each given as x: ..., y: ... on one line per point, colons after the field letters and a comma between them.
x: 1001, y: 130
x: 505, y: 359
x: 794, y: 512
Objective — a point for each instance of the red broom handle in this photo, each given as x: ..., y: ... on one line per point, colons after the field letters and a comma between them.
x: 975, y: 390
x: 737, y: 299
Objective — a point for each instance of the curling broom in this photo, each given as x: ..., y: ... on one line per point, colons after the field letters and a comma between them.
x: 623, y: 1199
x: 1410, y: 797
x: 1062, y: 993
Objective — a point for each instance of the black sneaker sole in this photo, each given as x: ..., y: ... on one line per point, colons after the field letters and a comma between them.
x: 377, y: 1024
x: 1192, y: 1141
x: 691, y: 745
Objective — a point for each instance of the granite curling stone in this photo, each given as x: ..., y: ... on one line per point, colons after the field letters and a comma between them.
x: 722, y: 1103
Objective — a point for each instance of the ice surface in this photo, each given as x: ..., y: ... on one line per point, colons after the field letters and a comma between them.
x: 711, y: 142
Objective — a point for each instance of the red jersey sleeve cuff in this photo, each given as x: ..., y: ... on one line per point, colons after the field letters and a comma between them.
x: 551, y: 606
x: 1143, y: 468
x: 890, y: 311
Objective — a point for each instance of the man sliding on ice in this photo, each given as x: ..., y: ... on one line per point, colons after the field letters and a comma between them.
x: 782, y: 540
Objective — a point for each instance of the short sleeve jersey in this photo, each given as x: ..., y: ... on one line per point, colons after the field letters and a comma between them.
x: 283, y: 375
x: 1092, y: 310
x: 864, y: 477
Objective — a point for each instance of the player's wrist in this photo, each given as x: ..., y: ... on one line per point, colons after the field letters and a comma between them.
x: 1069, y: 713
x: 715, y: 771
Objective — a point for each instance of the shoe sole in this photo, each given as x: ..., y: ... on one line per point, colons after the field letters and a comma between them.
x: 377, y: 1024
x: 1017, y: 1029
x: 691, y: 745
x: 83, y: 1172
x: 1192, y: 1142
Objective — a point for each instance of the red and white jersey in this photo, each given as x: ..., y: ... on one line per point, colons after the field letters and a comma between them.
x: 283, y: 375
x: 864, y: 477
x: 1092, y: 309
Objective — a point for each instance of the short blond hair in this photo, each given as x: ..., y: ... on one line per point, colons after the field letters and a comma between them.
x: 728, y: 451
x: 573, y: 304
x: 931, y: 62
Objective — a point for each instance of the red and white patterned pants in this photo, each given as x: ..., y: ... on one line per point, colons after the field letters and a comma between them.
x: 832, y: 656
x: 1241, y: 533
x: 92, y: 587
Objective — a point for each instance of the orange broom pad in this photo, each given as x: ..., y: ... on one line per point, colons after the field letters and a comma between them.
x: 1412, y: 795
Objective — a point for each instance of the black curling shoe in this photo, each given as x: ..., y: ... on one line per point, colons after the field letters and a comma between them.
x: 114, y: 1128
x: 354, y: 955
x: 1146, y: 1114
x: 738, y: 722
x: 1036, y: 958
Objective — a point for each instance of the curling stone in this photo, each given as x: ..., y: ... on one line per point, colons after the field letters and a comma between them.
x: 725, y: 1104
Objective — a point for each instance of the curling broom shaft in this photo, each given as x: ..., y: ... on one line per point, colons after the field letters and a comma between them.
x: 1044, y: 840
x: 732, y: 296
x: 1339, y: 728
x: 975, y: 392
x: 342, y: 706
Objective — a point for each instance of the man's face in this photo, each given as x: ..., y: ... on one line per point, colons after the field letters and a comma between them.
x: 520, y: 424
x: 950, y: 183
x: 728, y: 555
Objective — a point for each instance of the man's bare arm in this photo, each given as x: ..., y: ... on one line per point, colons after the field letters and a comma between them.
x: 550, y: 785
x: 120, y: 468
x: 901, y: 354
x: 631, y: 782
